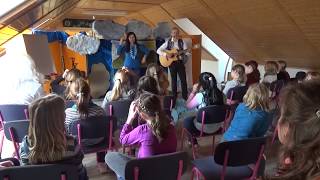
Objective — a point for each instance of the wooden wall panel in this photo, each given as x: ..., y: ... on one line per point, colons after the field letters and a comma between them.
x: 211, y: 25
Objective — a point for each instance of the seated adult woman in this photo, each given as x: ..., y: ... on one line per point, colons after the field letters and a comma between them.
x: 299, y: 132
x: 46, y: 141
x: 252, y: 117
x: 203, y: 94
x: 83, y: 108
x: 156, y: 136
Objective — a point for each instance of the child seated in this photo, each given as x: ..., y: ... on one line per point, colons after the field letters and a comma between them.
x: 156, y: 136
x: 46, y: 141
x: 83, y: 108
x: 299, y: 132
x: 203, y: 94
x: 252, y: 117
x: 238, y: 78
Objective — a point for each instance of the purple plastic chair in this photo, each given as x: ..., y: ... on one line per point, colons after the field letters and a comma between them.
x: 208, y: 115
x: 11, y: 112
x: 165, y: 166
x: 47, y: 172
x: 233, y: 160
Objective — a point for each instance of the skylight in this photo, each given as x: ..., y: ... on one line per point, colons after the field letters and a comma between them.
x: 9, y: 5
x: 187, y: 26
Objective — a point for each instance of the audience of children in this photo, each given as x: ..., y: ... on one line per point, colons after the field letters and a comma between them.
x: 158, y: 74
x: 203, y: 94
x: 298, y: 126
x: 156, y: 136
x: 238, y: 78
x: 46, y: 141
x: 83, y: 108
x: 252, y: 117
x: 283, y: 74
x: 299, y: 132
x: 252, y: 72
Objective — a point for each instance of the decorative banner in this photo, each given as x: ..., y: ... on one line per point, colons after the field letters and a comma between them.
x: 141, y: 29
x: 108, y: 29
x: 163, y: 30
x: 83, y: 44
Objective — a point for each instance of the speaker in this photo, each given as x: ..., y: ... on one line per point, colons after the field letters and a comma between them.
x: 85, y: 23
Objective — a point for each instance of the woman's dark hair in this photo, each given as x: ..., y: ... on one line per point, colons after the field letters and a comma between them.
x: 128, y: 42
x: 212, y: 95
x: 150, y: 104
x: 300, y: 113
x: 148, y: 84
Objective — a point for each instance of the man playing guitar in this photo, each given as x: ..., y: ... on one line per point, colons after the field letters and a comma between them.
x: 177, y: 66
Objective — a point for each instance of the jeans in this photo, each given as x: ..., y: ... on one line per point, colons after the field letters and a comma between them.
x: 117, y: 163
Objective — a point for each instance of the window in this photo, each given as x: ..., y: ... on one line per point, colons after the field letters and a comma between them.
x: 9, y: 5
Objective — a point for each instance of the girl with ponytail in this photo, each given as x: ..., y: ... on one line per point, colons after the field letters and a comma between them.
x: 203, y: 94
x: 156, y: 136
x: 82, y: 109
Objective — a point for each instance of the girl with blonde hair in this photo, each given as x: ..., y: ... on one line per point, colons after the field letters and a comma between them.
x: 252, y: 117
x: 158, y: 74
x: 121, y: 88
x: 46, y: 141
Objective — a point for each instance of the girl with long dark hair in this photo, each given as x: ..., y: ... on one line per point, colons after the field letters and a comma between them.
x: 203, y: 94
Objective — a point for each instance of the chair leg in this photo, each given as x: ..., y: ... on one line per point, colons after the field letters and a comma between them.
x: 213, y: 141
x: 182, y: 139
x: 1, y: 141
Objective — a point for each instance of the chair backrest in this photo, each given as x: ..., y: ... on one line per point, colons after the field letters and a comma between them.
x: 166, y: 166
x: 16, y: 130
x: 92, y: 127
x: 212, y: 114
x: 235, y: 95
x: 47, y: 172
x: 242, y: 152
x: 11, y: 112
x: 118, y: 109
x: 168, y: 102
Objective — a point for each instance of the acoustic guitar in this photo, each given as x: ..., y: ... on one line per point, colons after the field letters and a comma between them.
x: 172, y: 55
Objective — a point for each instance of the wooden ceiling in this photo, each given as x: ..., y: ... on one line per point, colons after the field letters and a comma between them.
x: 245, y: 29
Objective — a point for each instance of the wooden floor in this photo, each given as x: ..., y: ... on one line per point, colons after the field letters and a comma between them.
x: 204, y: 150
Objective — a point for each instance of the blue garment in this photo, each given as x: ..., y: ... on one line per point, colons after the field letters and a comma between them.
x: 247, y: 123
x: 132, y: 59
